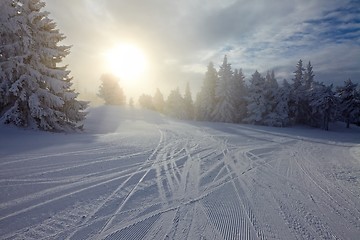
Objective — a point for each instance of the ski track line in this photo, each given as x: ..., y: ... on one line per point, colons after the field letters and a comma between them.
x: 67, y: 177
x: 296, y: 138
x: 134, y: 222
x: 101, y: 160
x: 249, y: 212
x: 102, y: 204
x: 57, y: 198
x: 210, y: 222
x: 308, y: 218
x: 184, y: 179
x: 245, y: 228
x: 113, y: 178
x: 333, y: 186
x: 127, y: 197
x: 132, y: 231
x: 162, y: 173
x: 76, y: 184
x: 190, y: 214
x: 37, y: 157
x: 321, y: 188
x: 305, y: 216
x: 72, y: 184
x: 174, y: 226
x: 231, y: 169
x: 350, y: 216
x: 116, y: 190
x: 246, y: 209
x: 295, y: 224
x: 166, y: 171
x: 173, y: 208
x: 51, y: 228
x: 226, y: 213
x: 103, y: 218
x: 173, y: 167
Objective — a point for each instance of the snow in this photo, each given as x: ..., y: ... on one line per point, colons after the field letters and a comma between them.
x: 135, y: 174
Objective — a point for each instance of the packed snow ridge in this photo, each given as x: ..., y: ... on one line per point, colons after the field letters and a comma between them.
x: 135, y: 174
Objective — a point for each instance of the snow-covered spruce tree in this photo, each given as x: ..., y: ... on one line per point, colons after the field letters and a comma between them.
x: 309, y: 82
x: 205, y: 100
x: 322, y: 102
x: 280, y: 115
x: 271, y: 89
x: 297, y: 97
x: 175, y: 105
x: 36, y: 92
x: 11, y: 50
x: 308, y: 76
x: 239, y: 95
x: 111, y: 91
x: 189, y: 104
x: 158, y: 101
x: 349, y: 102
x: 224, y: 110
x: 276, y: 100
x: 256, y: 102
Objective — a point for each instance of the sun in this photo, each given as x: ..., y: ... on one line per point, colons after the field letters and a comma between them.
x: 126, y: 61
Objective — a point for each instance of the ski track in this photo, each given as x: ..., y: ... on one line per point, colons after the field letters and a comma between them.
x: 193, y: 183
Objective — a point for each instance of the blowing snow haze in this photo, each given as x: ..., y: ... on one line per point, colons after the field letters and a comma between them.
x: 179, y: 38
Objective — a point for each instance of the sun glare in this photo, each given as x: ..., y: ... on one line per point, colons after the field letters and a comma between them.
x: 126, y: 61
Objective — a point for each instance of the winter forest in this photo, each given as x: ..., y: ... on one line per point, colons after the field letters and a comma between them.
x: 226, y: 97
x: 179, y: 119
x: 36, y: 90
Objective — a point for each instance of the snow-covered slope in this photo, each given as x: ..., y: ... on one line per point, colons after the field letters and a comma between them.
x: 135, y: 174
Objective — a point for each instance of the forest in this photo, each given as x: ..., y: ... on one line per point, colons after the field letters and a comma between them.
x: 36, y: 90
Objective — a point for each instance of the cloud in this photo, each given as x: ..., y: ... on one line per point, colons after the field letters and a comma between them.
x: 260, y: 35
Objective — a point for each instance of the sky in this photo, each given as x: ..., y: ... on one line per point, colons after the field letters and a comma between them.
x: 180, y: 38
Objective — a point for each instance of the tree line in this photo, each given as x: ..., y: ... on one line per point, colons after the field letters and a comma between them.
x: 225, y: 96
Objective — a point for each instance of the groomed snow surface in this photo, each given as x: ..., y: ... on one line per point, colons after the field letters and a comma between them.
x: 135, y: 174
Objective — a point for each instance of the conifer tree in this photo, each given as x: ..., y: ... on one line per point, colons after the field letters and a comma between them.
x: 188, y: 102
x: 224, y: 110
x: 349, y: 102
x: 298, y: 103
x: 110, y: 90
x: 271, y: 89
x: 35, y: 91
x: 158, y: 101
x: 281, y: 111
x: 274, y: 98
x: 239, y: 95
x: 308, y: 76
x: 256, y: 102
x: 322, y: 103
x: 205, y: 100
x: 11, y: 50
x: 175, y: 105
x: 299, y: 75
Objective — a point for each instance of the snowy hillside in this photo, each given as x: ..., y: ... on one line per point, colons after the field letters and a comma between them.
x: 135, y: 174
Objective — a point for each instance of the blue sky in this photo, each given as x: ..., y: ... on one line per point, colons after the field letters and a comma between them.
x: 182, y: 37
